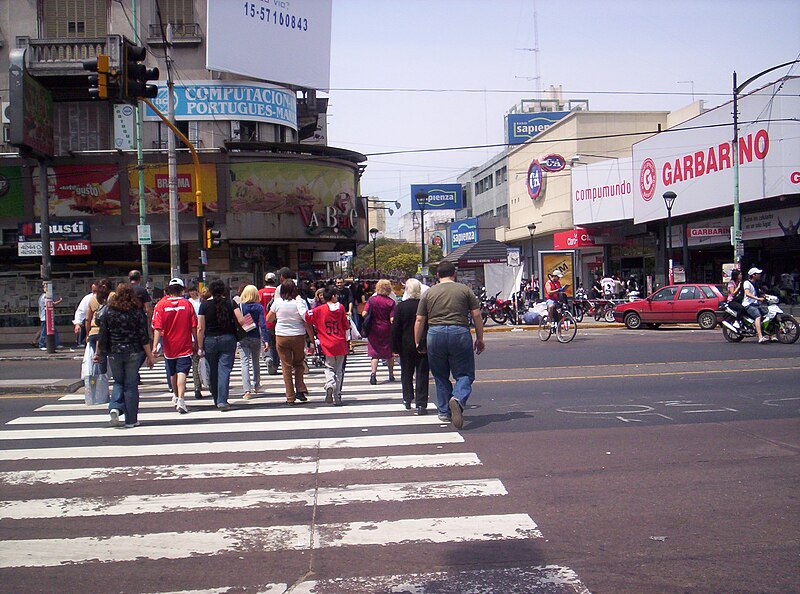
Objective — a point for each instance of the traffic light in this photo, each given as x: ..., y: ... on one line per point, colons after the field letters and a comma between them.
x: 213, y: 236
x: 135, y: 74
x: 98, y: 83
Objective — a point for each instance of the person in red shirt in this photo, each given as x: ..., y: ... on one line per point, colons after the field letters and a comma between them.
x: 553, y: 293
x: 175, y: 325
x: 330, y: 324
x: 265, y: 295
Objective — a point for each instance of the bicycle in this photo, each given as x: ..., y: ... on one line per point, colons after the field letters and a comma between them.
x: 565, y: 327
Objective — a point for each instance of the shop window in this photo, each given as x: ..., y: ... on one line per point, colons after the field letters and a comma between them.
x: 188, y: 129
x: 244, y: 131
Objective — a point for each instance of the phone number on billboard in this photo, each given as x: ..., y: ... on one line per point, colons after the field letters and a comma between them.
x: 282, y: 19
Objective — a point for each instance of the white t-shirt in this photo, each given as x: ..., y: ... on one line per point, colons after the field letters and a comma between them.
x: 291, y: 316
x: 749, y: 288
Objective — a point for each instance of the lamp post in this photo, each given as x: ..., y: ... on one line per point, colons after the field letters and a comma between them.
x: 532, y: 230
x: 669, y: 200
x: 422, y: 200
x: 373, y: 233
x: 736, y: 239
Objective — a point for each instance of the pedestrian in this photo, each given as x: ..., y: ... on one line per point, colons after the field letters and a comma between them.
x: 330, y: 324
x: 175, y: 325
x: 413, y: 363
x: 357, y: 290
x: 379, y: 337
x: 265, y: 295
x: 250, y: 345
x: 79, y: 319
x: 135, y: 279
x: 96, y: 309
x: 194, y: 299
x: 216, y: 337
x: 124, y: 338
x: 288, y: 312
x: 43, y: 319
x: 445, y: 309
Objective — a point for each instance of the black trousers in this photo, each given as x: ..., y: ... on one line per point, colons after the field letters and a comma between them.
x: 414, y: 366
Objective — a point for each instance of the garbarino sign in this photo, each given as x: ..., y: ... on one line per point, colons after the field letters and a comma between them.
x: 463, y: 232
x: 221, y: 100
x: 695, y: 159
x: 440, y: 196
x: 521, y: 127
x: 603, y: 191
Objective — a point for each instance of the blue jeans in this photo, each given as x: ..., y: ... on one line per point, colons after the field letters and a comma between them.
x: 250, y: 351
x: 43, y: 335
x: 220, y: 352
x: 92, y: 340
x: 450, y: 351
x: 125, y: 395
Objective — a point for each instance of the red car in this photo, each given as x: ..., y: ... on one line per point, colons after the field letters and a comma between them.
x: 673, y: 304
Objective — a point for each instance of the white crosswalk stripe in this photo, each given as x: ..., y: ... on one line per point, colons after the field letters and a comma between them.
x: 65, y: 464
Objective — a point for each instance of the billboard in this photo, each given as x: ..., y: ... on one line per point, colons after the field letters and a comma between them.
x: 564, y: 261
x: 286, y: 42
x: 223, y: 100
x: 156, y: 188
x: 12, y: 196
x: 440, y: 196
x: 695, y: 160
x: 75, y: 190
x: 521, y: 127
x: 31, y: 110
x: 67, y: 238
x: 463, y: 232
x: 602, y: 192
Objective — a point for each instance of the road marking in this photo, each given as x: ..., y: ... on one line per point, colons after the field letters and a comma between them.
x: 627, y: 409
x: 724, y: 409
x: 770, y: 402
x: 79, y: 507
x: 550, y: 378
x: 219, y: 447
x: 182, y: 545
x: 235, y: 470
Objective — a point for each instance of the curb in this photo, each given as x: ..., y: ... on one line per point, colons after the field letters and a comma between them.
x: 46, y: 387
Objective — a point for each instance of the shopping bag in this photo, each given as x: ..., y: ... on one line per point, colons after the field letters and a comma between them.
x: 205, y: 372
x: 86, y: 365
x: 96, y: 389
x: 354, y: 333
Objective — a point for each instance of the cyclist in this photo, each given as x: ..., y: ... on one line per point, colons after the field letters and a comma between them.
x: 553, y: 293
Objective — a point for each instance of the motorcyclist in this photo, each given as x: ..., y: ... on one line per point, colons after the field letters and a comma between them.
x: 735, y: 296
x: 752, y: 300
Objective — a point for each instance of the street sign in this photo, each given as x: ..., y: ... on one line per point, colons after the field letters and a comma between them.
x: 143, y: 233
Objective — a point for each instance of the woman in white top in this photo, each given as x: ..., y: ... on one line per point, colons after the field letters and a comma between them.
x: 288, y: 313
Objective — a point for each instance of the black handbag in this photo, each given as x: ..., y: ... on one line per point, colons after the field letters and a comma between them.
x: 366, y: 325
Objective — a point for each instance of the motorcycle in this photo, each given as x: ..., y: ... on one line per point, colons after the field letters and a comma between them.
x: 775, y: 323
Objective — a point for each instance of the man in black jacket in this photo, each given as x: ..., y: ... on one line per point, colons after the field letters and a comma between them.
x: 412, y: 362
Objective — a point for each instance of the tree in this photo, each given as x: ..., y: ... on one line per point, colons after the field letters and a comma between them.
x: 406, y: 264
x: 386, y: 250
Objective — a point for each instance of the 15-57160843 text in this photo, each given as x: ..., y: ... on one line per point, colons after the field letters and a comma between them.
x: 275, y: 17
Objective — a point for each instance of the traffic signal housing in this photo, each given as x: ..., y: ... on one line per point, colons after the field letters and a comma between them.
x: 213, y: 236
x: 135, y: 74
x: 98, y: 82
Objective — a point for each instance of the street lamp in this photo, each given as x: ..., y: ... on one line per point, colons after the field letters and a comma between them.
x: 532, y: 230
x: 669, y: 200
x: 422, y: 200
x: 373, y: 233
x: 738, y: 250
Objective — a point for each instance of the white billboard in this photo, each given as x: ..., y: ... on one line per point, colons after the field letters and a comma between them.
x: 694, y: 159
x: 274, y: 40
x: 602, y: 192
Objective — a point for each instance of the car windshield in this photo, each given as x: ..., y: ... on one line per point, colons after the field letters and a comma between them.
x: 665, y: 294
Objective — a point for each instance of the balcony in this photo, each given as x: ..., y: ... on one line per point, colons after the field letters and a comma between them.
x: 63, y: 57
x: 185, y: 34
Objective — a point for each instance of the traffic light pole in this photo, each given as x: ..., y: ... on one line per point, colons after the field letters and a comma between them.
x: 140, y: 163
x: 172, y: 166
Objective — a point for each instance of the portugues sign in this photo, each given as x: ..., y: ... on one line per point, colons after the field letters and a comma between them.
x: 463, y: 232
x: 521, y: 127
x: 440, y: 196
x: 220, y: 100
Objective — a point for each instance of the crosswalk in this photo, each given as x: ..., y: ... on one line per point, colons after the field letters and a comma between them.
x: 313, y: 499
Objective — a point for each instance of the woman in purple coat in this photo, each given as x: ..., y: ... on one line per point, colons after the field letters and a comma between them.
x: 380, y: 332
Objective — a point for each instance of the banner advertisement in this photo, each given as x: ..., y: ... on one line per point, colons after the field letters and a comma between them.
x: 576, y: 238
x: 695, y: 160
x: 80, y: 190
x: 222, y: 100
x: 300, y: 29
x: 67, y: 238
x: 563, y: 261
x: 12, y: 198
x: 521, y: 127
x: 156, y: 189
x: 440, y: 196
x: 463, y: 232
x: 322, y: 195
x: 602, y: 192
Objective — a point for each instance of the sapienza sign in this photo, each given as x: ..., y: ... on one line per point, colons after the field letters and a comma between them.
x: 695, y: 159
x: 440, y: 196
x: 521, y: 127
x: 463, y: 232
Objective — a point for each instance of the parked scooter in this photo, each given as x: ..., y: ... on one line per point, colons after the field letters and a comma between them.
x: 774, y: 324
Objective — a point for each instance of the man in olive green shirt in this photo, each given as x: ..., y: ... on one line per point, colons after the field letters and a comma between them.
x: 445, y: 308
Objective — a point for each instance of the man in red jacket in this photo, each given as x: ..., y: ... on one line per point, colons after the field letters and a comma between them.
x: 330, y: 324
x: 265, y: 295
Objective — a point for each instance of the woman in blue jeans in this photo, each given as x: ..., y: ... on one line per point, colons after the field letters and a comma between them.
x: 250, y: 345
x: 216, y: 335
x: 124, y: 338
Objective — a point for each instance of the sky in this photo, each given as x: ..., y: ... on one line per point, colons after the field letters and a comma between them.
x: 455, y: 67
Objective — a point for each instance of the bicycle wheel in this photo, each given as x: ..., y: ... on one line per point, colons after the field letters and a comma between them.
x: 608, y: 313
x: 578, y: 311
x: 567, y: 328
x: 544, y: 329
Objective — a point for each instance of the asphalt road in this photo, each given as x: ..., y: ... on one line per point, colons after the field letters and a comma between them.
x: 644, y: 462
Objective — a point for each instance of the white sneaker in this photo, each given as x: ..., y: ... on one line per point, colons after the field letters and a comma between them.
x: 181, y: 406
x: 114, y: 414
x: 174, y: 400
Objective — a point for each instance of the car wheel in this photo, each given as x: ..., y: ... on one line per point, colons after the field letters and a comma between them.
x: 633, y: 320
x: 707, y: 320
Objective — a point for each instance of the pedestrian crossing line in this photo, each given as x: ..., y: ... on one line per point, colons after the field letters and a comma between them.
x: 81, y: 507
x: 182, y: 545
x: 61, y: 476
x: 264, y: 445
x: 188, y: 428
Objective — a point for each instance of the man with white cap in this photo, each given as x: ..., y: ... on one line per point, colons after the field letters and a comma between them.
x: 552, y: 292
x: 751, y: 300
x: 175, y: 323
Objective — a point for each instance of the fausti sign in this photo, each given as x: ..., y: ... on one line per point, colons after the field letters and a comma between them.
x: 695, y: 159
